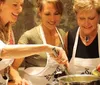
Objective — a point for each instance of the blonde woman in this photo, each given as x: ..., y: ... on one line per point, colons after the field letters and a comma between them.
x: 83, y: 43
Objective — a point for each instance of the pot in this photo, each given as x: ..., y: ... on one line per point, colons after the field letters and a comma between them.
x: 79, y: 80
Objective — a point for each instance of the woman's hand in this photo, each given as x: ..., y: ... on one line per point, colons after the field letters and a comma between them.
x: 19, y: 82
x: 60, y: 56
x: 15, y: 76
x: 98, y: 68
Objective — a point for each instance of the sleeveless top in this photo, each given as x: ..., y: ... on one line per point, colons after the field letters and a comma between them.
x: 82, y: 50
x: 85, y: 64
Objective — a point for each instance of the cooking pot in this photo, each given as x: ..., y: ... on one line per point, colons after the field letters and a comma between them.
x: 79, y: 80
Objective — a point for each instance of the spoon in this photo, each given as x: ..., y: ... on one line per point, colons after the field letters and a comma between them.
x: 63, y: 66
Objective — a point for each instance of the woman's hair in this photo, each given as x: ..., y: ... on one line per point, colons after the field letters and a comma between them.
x: 57, y: 4
x: 86, y: 5
x: 2, y: 1
x: 4, y: 29
x: 4, y: 32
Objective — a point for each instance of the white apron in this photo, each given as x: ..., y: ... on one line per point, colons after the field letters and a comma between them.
x: 4, y: 63
x: 81, y: 65
x: 43, y: 75
x: 3, y: 81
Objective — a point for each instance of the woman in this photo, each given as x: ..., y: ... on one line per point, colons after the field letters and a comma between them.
x: 50, y: 12
x: 9, y: 11
x: 83, y: 44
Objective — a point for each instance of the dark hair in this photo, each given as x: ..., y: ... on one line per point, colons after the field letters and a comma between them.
x: 2, y: 0
x: 57, y: 4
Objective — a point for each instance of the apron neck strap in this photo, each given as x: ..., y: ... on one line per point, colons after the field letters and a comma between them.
x: 99, y: 38
x: 76, y: 41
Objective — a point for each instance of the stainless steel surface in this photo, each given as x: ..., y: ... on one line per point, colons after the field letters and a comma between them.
x: 79, y: 80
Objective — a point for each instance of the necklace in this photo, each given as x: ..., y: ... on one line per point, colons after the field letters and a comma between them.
x: 87, y: 38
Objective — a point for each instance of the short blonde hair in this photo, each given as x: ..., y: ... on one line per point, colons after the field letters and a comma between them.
x: 86, y: 5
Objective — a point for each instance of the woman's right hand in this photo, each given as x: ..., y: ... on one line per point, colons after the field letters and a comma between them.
x: 22, y: 82
x: 98, y: 68
x: 61, y: 56
x: 16, y: 78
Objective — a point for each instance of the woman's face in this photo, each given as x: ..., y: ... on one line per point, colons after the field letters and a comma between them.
x: 87, y: 21
x: 10, y: 9
x: 49, y: 16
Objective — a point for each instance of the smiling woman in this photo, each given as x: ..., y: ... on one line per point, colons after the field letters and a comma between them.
x: 9, y: 11
x: 83, y: 43
x: 47, y: 32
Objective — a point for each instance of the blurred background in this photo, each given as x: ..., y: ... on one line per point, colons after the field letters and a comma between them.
x: 28, y: 18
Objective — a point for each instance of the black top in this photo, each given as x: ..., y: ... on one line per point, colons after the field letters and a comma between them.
x: 82, y: 51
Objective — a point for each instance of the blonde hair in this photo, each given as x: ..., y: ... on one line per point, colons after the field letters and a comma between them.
x: 86, y: 5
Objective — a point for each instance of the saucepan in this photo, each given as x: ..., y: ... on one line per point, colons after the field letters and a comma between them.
x: 79, y: 80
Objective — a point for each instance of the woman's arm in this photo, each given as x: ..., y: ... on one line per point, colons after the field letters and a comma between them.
x: 16, y: 78
x: 32, y: 49
x: 19, y: 51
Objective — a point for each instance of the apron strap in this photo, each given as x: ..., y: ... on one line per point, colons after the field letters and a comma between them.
x: 76, y: 41
x: 6, y: 73
x: 99, y: 38
x: 75, y: 44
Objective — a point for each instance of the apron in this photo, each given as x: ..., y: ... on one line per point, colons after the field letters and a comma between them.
x: 81, y: 65
x: 5, y: 63
x: 3, y: 81
x: 43, y: 75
